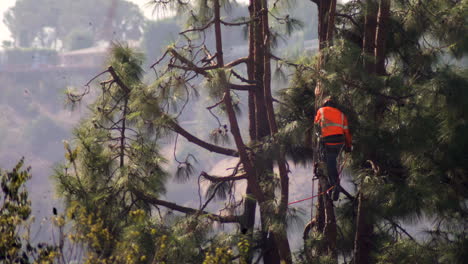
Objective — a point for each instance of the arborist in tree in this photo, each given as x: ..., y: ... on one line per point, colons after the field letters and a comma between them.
x: 334, y: 136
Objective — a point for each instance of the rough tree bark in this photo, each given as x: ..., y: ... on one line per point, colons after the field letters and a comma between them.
x: 325, y: 216
x: 381, y: 36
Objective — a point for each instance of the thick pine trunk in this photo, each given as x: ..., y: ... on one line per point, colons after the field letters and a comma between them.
x: 280, y: 236
x: 275, y: 245
x: 325, y: 217
x: 326, y: 25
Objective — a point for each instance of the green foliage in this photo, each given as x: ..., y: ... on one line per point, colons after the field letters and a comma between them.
x: 15, y: 214
x: 406, y: 251
x: 109, y: 163
x: 408, y: 126
x: 220, y: 255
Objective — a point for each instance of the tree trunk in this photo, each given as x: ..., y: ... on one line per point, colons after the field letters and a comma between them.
x: 381, y: 36
x: 326, y: 19
x: 370, y: 25
x: 363, y: 238
x: 248, y: 221
x: 325, y: 217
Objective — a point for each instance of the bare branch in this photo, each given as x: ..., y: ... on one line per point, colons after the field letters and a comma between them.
x: 197, y: 29
x: 242, y: 87
x: 210, y: 147
x: 198, y: 70
x: 350, y: 19
x: 237, y: 62
x: 238, y: 23
x: 191, y: 65
x: 399, y: 227
x: 95, y: 77
x: 290, y: 63
x: 223, y: 178
x: 158, y: 61
x: 215, y: 105
x: 186, y: 210
x: 242, y: 78
x: 118, y: 80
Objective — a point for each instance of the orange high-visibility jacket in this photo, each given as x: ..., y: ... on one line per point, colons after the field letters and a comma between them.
x: 333, y: 122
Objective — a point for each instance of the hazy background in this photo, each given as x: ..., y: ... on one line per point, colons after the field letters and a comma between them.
x: 34, y: 120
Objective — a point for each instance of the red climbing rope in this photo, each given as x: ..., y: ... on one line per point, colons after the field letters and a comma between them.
x: 322, y: 193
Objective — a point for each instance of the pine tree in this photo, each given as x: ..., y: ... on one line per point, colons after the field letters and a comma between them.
x: 112, y: 158
x: 393, y: 67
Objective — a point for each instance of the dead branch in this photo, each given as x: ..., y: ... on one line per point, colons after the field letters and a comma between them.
x: 210, y: 147
x: 212, y: 178
x: 186, y: 210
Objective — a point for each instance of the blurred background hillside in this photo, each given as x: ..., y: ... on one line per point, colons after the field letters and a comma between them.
x: 48, y: 46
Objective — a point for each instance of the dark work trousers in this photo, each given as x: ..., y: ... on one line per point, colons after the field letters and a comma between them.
x: 331, y: 153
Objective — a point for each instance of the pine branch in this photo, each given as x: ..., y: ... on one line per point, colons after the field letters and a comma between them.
x: 210, y: 147
x: 190, y: 64
x: 274, y: 57
x: 118, y: 80
x: 199, y: 70
x: 395, y: 224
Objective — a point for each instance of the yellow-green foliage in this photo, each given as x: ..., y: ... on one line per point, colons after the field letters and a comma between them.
x: 221, y: 255
x: 15, y: 215
x: 244, y: 247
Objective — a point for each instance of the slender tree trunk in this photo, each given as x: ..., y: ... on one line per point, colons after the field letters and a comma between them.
x: 280, y: 237
x: 370, y: 25
x: 264, y: 167
x: 122, y: 133
x: 326, y: 221
x: 248, y: 222
x: 363, y: 238
x: 326, y: 19
x: 381, y: 36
